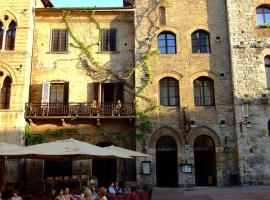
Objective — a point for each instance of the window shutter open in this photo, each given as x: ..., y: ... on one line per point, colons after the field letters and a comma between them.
x: 45, y: 92
x: 96, y: 91
x: 119, y: 92
x: 66, y: 92
x: 112, y: 40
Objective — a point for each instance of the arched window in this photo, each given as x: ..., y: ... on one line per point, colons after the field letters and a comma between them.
x: 162, y: 16
x: 5, y: 93
x: 200, y: 42
x: 10, y: 36
x: 167, y: 43
x: 263, y: 15
x: 204, y: 92
x: 267, y: 70
x: 169, y: 92
x: 1, y: 34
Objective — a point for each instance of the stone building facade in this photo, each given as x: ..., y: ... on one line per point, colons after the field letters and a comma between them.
x: 191, y: 81
x: 207, y: 88
x: 71, y: 97
x: 17, y: 25
x: 249, y: 40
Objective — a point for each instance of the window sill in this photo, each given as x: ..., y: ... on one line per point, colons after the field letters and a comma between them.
x: 263, y: 27
x: 108, y: 52
x: 201, y: 54
x: 58, y: 52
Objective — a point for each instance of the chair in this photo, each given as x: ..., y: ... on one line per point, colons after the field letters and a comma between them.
x: 49, y: 183
x: 76, y: 180
x: 66, y: 179
x: 93, y: 181
x: 84, y: 180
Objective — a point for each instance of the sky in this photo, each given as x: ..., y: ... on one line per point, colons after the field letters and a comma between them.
x: 87, y: 3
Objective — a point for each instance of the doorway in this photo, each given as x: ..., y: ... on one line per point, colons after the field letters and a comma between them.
x: 205, y: 161
x: 104, y: 169
x: 166, y: 162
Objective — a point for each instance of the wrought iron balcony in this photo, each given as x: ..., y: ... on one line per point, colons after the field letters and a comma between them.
x: 80, y: 110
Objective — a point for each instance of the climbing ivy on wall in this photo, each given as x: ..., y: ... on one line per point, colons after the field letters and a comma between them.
x: 91, y: 63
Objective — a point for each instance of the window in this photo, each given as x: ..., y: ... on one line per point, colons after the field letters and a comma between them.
x: 10, y: 36
x: 110, y: 92
x: 59, y: 41
x: 55, y: 92
x: 1, y: 34
x: 5, y: 93
x: 204, y: 92
x: 169, y: 92
x: 200, y: 42
x: 108, y: 40
x: 263, y: 16
x: 166, y: 43
x: 267, y: 70
x: 162, y: 16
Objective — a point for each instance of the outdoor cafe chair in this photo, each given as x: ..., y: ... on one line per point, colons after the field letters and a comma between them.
x: 84, y: 180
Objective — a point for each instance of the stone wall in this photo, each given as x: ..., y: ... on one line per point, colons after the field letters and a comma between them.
x: 248, y: 49
x: 16, y: 64
x: 183, y: 18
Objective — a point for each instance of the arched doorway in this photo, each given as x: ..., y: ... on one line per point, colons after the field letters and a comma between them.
x: 205, y: 161
x: 166, y: 162
x: 104, y: 169
x: 5, y: 93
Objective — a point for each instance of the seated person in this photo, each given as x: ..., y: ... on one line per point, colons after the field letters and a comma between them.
x: 102, y: 193
x: 67, y: 195
x: 16, y: 196
x: 111, y: 189
x: 7, y: 192
x: 94, y: 192
x: 117, y: 188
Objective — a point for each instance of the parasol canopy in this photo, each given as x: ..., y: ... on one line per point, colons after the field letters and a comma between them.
x: 70, y: 149
x: 127, y: 152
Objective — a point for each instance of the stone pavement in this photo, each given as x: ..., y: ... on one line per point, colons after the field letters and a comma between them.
x: 213, y: 193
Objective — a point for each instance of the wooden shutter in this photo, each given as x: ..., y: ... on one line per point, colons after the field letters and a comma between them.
x: 96, y: 91
x: 55, y: 40
x: 112, y: 40
x: 104, y: 40
x: 45, y: 92
x: 119, y: 92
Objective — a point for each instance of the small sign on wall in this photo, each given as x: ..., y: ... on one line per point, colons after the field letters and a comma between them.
x: 146, y: 167
x: 185, y: 168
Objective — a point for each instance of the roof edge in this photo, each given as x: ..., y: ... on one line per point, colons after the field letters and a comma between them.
x: 47, y: 3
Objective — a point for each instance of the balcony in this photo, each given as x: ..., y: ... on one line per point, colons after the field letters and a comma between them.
x: 80, y: 110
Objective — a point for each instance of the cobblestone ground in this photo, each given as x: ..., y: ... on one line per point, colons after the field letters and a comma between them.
x: 213, y: 193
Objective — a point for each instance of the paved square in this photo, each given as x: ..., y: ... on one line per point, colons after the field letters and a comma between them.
x: 213, y: 193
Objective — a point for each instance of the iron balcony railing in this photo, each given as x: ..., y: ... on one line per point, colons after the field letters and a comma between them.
x: 79, y: 109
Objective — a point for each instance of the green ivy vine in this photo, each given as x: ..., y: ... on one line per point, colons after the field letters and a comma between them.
x: 144, y: 125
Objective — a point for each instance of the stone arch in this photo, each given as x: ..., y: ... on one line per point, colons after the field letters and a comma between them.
x: 206, y: 73
x: 12, y: 17
x: 204, y: 130
x: 166, y: 131
x: 168, y: 73
x: 7, y: 71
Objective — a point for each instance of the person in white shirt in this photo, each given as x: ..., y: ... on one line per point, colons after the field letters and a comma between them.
x: 16, y: 196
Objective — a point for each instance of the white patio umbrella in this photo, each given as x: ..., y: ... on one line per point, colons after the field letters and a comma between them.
x: 7, y: 147
x: 62, y: 150
x: 127, y: 152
